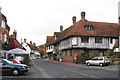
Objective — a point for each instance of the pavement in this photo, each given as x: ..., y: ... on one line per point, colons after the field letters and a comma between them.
x: 110, y: 67
x: 66, y: 63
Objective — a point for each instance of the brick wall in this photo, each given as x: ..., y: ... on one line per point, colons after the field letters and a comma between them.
x: 79, y: 52
x: 50, y: 57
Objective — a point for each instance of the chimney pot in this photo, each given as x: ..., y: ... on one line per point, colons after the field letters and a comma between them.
x: 82, y: 15
x: 24, y: 40
x: 61, y: 28
x: 30, y: 42
x: 15, y: 34
x: 74, y: 19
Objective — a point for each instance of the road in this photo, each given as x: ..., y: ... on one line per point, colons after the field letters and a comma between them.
x: 45, y: 69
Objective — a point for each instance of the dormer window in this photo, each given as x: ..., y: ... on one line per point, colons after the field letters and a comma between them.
x: 89, y: 27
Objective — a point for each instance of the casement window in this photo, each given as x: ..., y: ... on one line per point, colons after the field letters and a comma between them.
x: 65, y: 42
x: 84, y: 39
x: 111, y: 40
x: 62, y: 43
x: 5, y: 37
x: 65, y: 53
x: 3, y: 24
x: 70, y: 52
x: 98, y: 40
x: 51, y: 47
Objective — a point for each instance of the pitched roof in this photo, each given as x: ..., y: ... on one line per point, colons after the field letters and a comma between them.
x: 50, y: 40
x: 32, y: 47
x: 116, y: 44
x: 57, y: 34
x: 14, y: 44
x: 101, y: 29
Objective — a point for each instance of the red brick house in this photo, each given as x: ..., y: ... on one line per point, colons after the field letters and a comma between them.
x: 13, y: 42
x: 83, y: 37
x: 5, y: 30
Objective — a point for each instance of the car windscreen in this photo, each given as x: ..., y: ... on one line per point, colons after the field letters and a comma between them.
x: 7, y: 61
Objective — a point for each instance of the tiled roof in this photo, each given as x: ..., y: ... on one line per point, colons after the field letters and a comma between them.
x: 116, y: 44
x: 14, y: 44
x: 119, y: 29
x: 50, y: 40
x: 100, y: 29
x: 57, y: 34
x: 32, y: 47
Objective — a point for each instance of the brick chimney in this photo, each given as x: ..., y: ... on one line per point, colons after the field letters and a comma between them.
x: 30, y: 42
x: 15, y: 34
x: 74, y: 19
x: 24, y: 40
x: 61, y: 28
x: 82, y: 15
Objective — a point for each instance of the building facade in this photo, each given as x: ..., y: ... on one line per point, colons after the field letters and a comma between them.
x: 84, y: 38
x: 5, y: 30
x: 32, y: 49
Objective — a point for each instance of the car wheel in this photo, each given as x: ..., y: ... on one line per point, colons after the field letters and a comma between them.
x: 88, y: 64
x: 101, y: 64
x: 15, y: 72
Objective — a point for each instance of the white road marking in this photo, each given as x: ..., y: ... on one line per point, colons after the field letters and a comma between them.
x: 82, y: 74
x: 45, y: 74
x: 105, y: 68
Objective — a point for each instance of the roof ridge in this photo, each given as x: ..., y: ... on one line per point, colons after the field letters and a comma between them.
x: 103, y: 22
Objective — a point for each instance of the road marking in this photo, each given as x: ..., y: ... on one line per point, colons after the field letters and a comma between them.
x: 103, y: 68
x: 82, y: 73
x: 98, y: 68
x: 45, y: 74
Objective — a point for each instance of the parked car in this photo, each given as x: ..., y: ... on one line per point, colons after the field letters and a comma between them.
x: 15, y: 61
x: 101, y: 61
x: 15, y: 69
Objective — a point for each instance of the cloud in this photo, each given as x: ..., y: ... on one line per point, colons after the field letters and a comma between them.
x: 36, y: 19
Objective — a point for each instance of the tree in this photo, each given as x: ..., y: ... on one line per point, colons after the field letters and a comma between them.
x: 41, y: 48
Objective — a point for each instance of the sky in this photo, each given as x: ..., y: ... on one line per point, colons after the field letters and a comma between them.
x: 36, y: 19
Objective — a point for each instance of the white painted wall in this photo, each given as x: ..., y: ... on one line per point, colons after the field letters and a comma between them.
x: 112, y: 45
x: 26, y: 47
x: 91, y: 44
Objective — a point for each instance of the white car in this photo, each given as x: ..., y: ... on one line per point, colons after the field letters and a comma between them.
x: 98, y: 61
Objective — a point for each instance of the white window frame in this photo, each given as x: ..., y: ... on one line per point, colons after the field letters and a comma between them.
x: 5, y: 37
x: 3, y: 24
